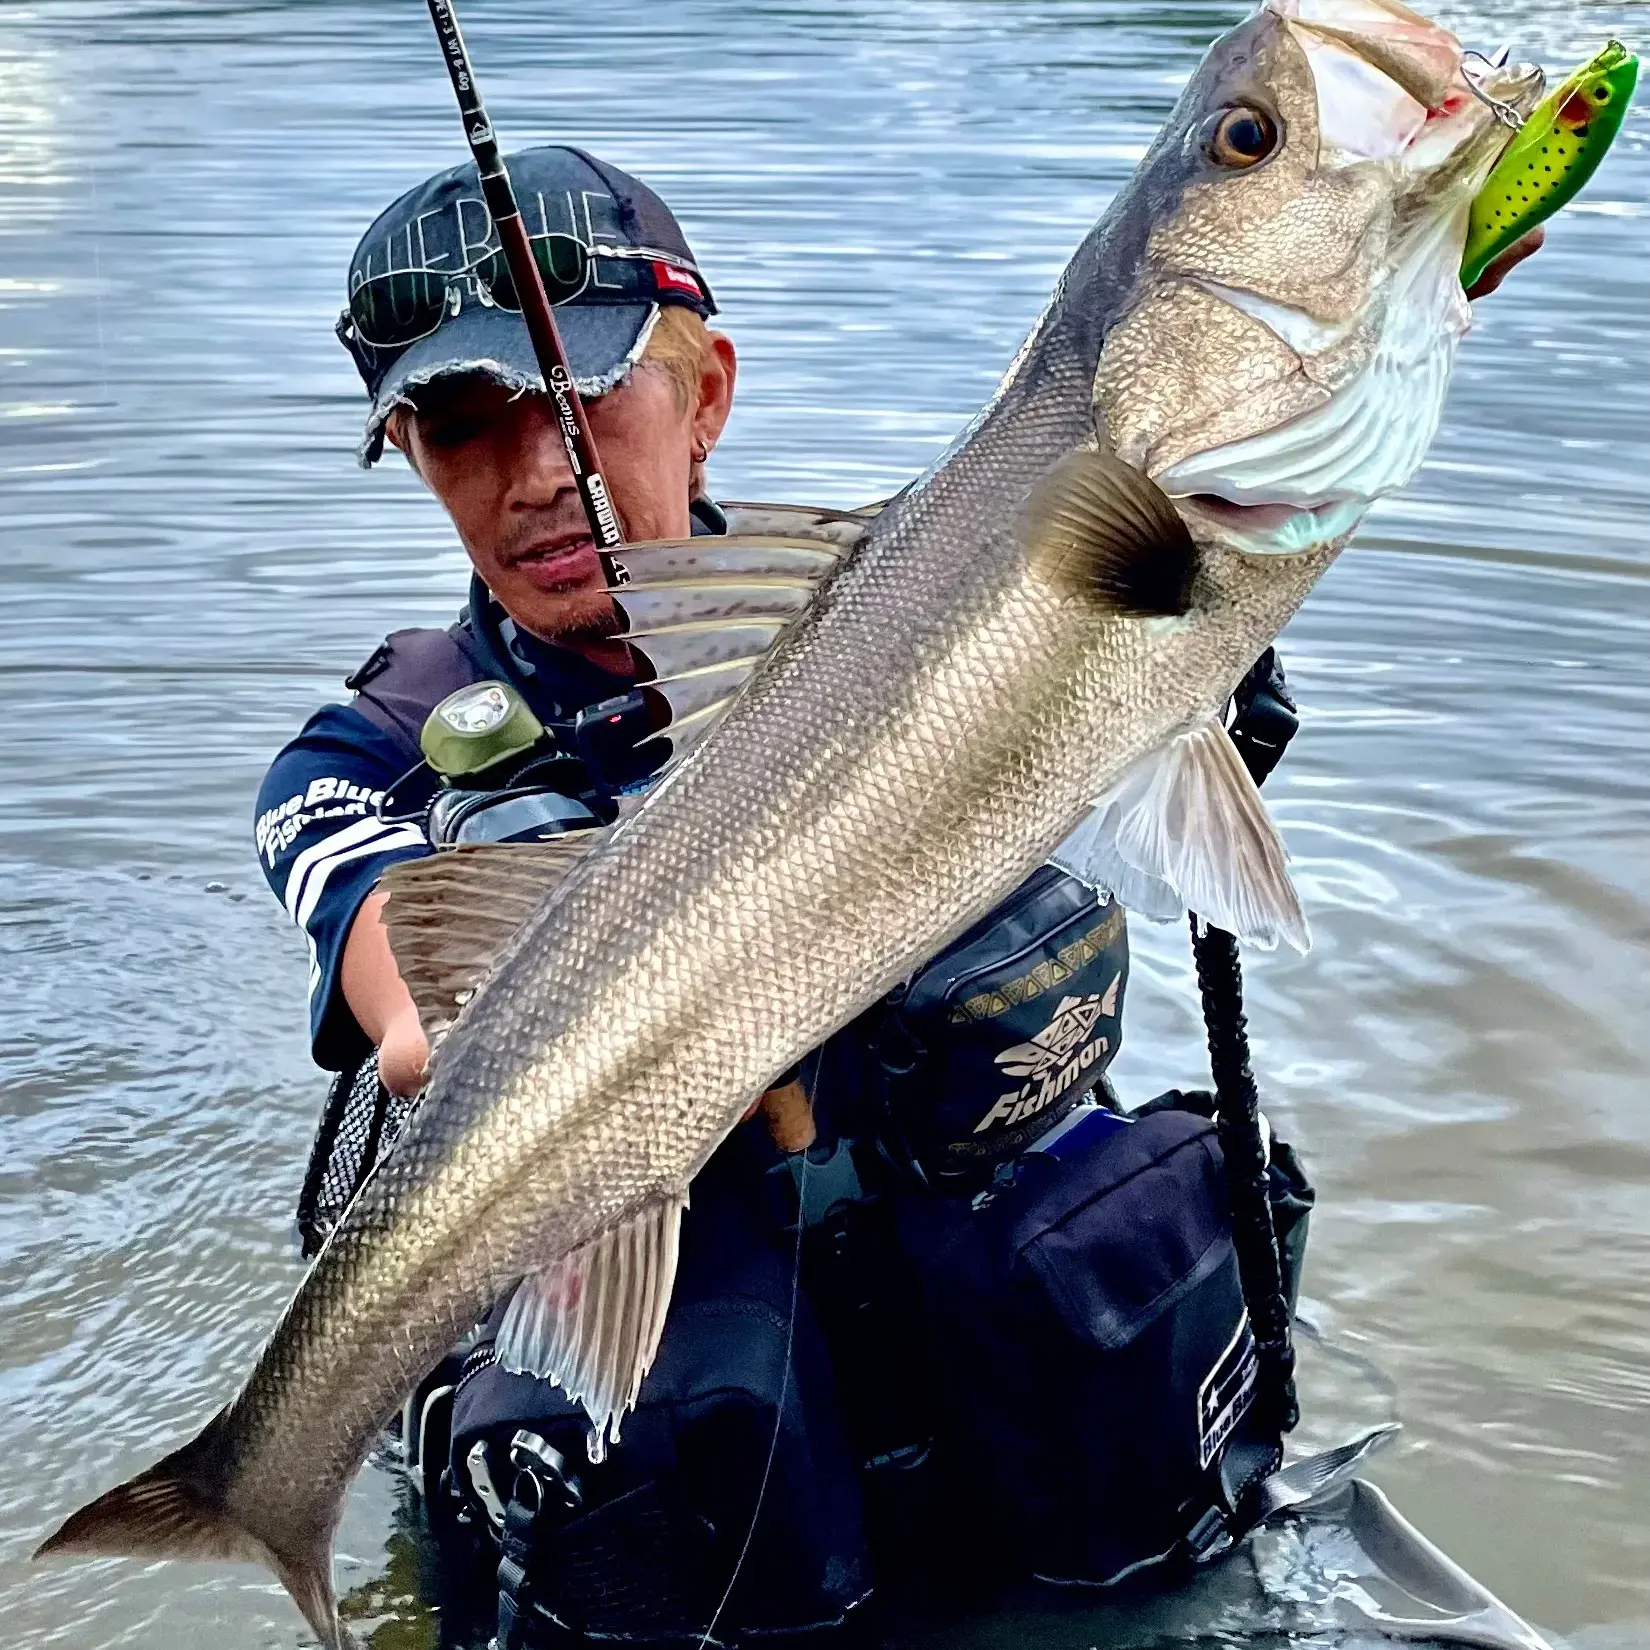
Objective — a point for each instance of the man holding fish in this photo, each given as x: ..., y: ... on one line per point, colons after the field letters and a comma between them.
x: 843, y: 744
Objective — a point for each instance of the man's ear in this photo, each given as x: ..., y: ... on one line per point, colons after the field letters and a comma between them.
x: 398, y: 428
x: 718, y: 371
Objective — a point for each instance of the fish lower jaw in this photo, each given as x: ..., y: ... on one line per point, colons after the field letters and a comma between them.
x: 1279, y: 528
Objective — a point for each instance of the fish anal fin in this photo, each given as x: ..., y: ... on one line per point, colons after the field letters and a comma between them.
x: 591, y: 1321
x: 1186, y: 828
x: 1095, y: 527
x: 452, y: 915
x: 179, y: 1509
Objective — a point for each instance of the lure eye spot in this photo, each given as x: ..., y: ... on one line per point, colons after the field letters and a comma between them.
x: 1241, y: 137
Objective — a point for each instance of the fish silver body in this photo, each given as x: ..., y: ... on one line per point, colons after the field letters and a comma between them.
x: 925, y: 734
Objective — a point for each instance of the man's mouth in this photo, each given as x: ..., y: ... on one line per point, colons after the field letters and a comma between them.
x: 557, y: 562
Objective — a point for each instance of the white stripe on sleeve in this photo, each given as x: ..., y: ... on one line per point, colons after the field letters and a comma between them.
x: 391, y: 836
x: 335, y: 842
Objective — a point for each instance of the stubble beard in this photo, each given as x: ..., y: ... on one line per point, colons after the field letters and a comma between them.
x: 579, y: 614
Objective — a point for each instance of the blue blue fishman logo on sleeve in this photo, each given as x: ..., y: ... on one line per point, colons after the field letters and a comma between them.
x: 325, y: 798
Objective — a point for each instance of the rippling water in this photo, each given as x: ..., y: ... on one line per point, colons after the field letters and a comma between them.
x: 882, y: 194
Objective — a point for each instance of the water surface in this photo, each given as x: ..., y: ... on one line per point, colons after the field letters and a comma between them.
x: 882, y: 194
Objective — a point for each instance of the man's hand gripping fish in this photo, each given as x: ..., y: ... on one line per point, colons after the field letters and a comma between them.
x: 881, y: 726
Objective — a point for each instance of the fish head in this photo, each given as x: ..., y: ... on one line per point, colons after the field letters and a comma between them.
x: 1283, y: 356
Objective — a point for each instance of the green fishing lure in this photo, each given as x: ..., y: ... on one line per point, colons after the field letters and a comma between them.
x: 1554, y: 153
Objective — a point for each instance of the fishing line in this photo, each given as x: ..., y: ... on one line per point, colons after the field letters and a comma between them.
x: 784, y: 1395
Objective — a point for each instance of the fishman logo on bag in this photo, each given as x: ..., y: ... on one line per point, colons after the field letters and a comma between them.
x: 1055, y: 1058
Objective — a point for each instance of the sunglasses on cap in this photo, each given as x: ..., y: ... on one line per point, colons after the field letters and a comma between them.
x: 394, y: 310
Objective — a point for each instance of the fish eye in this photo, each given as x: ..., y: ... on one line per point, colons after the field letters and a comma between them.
x: 1241, y: 136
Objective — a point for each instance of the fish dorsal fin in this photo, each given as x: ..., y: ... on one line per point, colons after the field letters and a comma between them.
x: 1185, y: 827
x: 701, y: 614
x: 708, y: 601
x: 838, y: 528
x: 1098, y: 528
x: 679, y: 561
x: 679, y: 650
x: 691, y: 608
x: 591, y: 1321
x: 451, y: 916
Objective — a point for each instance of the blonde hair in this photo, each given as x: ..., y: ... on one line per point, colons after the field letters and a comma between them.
x: 677, y: 346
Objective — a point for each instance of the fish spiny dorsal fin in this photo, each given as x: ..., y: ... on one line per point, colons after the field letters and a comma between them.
x: 679, y: 561
x: 696, y: 608
x: 451, y: 916
x: 1098, y: 528
x: 591, y: 1321
x: 1186, y: 828
x: 838, y: 528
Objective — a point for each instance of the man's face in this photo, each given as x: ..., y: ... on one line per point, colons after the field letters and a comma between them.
x: 495, y: 459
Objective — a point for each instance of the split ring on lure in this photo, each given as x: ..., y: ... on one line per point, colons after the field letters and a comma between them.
x: 1554, y: 154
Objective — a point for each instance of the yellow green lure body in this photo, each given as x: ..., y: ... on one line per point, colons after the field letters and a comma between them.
x: 1554, y: 153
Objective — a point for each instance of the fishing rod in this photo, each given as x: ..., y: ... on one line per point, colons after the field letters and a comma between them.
x: 536, y: 311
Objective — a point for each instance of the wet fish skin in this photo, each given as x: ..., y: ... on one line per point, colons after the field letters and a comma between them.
x: 921, y: 739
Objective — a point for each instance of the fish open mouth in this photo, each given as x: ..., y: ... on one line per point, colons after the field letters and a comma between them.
x: 1393, y: 94
x: 1273, y: 528
x: 1393, y: 85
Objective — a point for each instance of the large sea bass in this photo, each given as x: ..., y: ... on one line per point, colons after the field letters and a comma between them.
x: 1263, y: 324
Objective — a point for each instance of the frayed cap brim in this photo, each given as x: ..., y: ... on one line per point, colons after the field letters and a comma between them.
x: 604, y: 342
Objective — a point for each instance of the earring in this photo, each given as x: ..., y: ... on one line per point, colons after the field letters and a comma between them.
x: 701, y: 450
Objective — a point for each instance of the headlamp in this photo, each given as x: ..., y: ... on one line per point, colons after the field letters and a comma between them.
x: 476, y: 727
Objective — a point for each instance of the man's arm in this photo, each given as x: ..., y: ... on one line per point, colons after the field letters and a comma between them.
x: 323, y: 849
x: 379, y: 1000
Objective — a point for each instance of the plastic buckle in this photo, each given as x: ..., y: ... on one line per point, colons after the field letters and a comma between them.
x: 1262, y: 733
x: 1264, y: 717
x: 543, y: 1483
x: 1209, y: 1537
x: 373, y: 665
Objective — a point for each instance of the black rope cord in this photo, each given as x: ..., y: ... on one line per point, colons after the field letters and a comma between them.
x: 1262, y: 726
x: 1237, y: 1118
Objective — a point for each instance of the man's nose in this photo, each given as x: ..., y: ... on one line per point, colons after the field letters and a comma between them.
x: 541, y: 471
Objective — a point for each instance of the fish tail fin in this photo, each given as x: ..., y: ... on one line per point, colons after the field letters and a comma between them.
x: 179, y: 1508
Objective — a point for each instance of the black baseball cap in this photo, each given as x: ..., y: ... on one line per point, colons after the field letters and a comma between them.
x: 429, y: 294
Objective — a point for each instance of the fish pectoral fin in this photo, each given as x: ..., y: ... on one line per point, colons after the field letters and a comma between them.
x: 451, y: 916
x: 1185, y: 827
x: 591, y: 1321
x: 1097, y: 528
x: 178, y: 1509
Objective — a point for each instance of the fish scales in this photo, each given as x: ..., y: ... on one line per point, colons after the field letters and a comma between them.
x: 1260, y: 308
x: 858, y: 812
